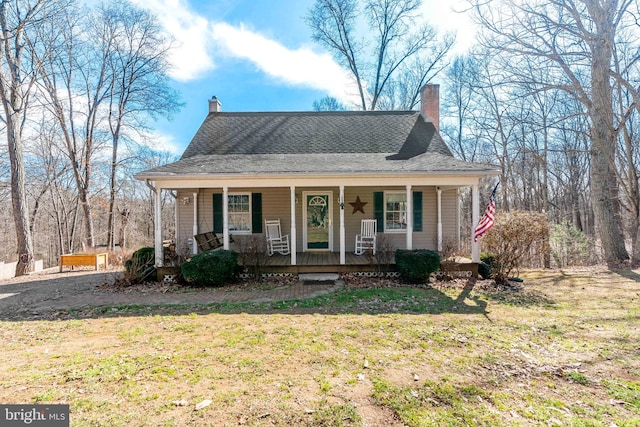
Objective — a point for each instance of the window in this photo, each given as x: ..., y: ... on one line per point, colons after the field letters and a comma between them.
x: 240, y: 213
x: 395, y: 212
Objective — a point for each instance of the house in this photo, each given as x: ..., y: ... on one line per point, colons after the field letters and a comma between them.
x: 320, y: 174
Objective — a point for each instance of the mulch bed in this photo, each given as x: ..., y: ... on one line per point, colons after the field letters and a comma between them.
x: 352, y: 281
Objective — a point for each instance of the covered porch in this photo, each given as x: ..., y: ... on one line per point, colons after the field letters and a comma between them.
x: 210, y: 207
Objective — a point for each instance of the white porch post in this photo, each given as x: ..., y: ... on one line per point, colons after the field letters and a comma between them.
x: 475, y: 216
x: 459, y: 205
x: 157, y: 229
x: 195, y: 222
x: 343, y: 259
x: 439, y: 204
x: 293, y: 240
x: 409, y: 219
x: 175, y: 216
x: 225, y: 218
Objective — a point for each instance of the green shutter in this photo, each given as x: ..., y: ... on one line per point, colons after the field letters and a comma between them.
x: 218, y: 219
x: 378, y: 209
x: 256, y: 213
x: 417, y: 211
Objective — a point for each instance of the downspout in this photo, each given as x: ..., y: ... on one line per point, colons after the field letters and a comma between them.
x: 157, y: 224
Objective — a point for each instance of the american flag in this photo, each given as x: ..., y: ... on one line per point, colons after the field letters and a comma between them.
x: 486, y: 222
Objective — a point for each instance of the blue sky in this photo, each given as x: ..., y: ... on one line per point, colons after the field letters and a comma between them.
x: 256, y: 55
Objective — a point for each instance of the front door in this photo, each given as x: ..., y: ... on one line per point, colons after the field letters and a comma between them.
x: 317, y: 213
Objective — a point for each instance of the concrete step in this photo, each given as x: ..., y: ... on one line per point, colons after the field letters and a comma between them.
x: 318, y: 277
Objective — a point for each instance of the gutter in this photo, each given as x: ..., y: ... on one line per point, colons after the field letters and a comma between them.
x: 206, y: 176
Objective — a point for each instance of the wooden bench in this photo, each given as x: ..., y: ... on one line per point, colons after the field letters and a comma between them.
x: 82, y: 260
x: 209, y: 241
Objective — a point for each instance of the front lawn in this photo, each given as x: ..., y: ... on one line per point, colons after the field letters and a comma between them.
x: 564, y: 350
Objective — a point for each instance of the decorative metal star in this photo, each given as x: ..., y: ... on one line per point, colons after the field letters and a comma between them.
x: 358, y: 205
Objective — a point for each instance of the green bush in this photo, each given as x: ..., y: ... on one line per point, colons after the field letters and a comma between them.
x: 140, y: 267
x: 140, y: 259
x: 416, y: 265
x: 215, y: 268
x: 484, y: 270
x: 487, y: 260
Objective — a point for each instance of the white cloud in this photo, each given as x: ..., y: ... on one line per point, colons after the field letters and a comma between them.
x: 300, y: 67
x: 191, y: 55
x: 198, y: 38
x: 161, y: 142
x: 455, y: 16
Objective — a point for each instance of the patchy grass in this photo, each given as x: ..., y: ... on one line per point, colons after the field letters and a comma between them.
x: 563, y: 350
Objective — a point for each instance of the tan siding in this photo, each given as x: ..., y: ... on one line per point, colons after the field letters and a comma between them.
x: 428, y: 237
x: 205, y: 210
x: 184, y: 224
x: 450, y: 217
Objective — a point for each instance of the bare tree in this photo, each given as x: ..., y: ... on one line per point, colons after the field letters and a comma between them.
x: 627, y: 155
x: 140, y: 86
x: 16, y: 78
x: 462, y: 77
x: 577, y: 42
x: 404, y: 52
x: 76, y: 81
x: 328, y: 103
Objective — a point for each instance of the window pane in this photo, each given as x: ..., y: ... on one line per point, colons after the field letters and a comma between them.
x: 239, y: 213
x: 395, y: 211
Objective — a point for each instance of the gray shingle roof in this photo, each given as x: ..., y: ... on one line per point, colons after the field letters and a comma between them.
x: 315, y: 132
x: 354, y: 142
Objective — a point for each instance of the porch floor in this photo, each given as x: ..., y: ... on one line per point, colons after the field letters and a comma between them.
x: 322, y: 262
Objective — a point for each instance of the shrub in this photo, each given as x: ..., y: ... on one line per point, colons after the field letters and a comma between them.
x: 214, y: 268
x: 569, y: 246
x: 488, y: 258
x: 416, y: 265
x: 484, y: 270
x: 486, y: 261
x: 253, y: 255
x: 141, y: 264
x: 511, y: 239
x: 385, y: 254
x: 139, y: 259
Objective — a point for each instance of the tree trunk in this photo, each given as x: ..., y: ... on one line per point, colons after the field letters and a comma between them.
x: 604, y: 184
x: 83, y: 195
x: 112, y: 204
x: 19, y: 198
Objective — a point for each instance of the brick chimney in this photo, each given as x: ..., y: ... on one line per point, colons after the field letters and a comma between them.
x: 215, y: 106
x: 430, y: 104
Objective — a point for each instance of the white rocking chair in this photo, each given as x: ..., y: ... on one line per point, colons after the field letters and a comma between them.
x: 276, y: 242
x: 366, y: 240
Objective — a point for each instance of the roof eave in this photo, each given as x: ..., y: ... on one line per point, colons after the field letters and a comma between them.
x: 208, y: 176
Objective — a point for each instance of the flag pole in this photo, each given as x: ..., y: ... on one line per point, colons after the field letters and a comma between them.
x: 488, y: 217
